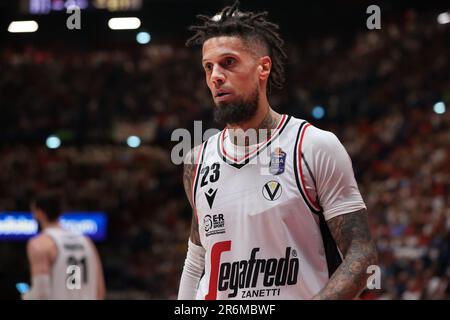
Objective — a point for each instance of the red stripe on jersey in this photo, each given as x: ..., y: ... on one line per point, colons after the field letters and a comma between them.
x: 299, y: 158
x: 216, y: 252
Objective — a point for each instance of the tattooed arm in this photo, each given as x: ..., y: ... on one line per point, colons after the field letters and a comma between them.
x: 352, y: 235
x: 188, y: 176
x: 195, y: 257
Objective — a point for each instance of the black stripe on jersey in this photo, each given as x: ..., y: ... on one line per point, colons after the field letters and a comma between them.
x: 237, y: 166
x: 240, y: 165
x: 312, y: 176
x: 297, y: 174
x: 329, y: 244
x: 331, y: 250
x: 198, y: 170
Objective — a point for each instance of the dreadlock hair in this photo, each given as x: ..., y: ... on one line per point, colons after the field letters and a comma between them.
x: 249, y: 26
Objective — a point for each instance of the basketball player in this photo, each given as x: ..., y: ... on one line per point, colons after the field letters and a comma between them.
x: 299, y: 229
x: 53, y: 254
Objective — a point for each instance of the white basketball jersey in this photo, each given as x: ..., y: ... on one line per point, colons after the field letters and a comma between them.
x: 260, y: 217
x: 73, y: 274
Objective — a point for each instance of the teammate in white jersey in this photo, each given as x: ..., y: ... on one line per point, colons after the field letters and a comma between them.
x: 278, y: 216
x: 57, y: 257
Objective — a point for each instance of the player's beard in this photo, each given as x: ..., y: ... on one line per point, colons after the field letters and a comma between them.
x: 237, y: 111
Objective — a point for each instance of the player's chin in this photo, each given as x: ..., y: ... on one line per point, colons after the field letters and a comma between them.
x: 224, y: 102
x: 221, y: 104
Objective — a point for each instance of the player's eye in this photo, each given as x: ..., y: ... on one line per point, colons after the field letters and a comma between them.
x: 229, y: 61
x: 208, y: 67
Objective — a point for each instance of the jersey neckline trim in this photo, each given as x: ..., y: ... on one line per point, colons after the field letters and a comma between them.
x: 239, y: 163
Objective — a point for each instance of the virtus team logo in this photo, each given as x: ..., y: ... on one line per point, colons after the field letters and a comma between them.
x: 272, y: 190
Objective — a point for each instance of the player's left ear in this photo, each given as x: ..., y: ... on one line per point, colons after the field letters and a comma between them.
x: 265, y: 65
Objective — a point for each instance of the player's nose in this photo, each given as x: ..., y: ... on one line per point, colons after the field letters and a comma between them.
x: 217, y: 76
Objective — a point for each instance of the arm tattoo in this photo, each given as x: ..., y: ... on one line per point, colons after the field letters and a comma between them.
x: 195, y: 235
x: 352, y: 235
x: 188, y: 175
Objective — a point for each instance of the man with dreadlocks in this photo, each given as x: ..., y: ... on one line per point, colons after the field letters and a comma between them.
x: 277, y: 213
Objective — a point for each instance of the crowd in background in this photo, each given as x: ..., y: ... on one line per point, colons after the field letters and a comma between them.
x: 378, y: 90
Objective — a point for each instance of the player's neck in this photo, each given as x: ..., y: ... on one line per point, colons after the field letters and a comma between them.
x: 50, y: 225
x: 264, y: 122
